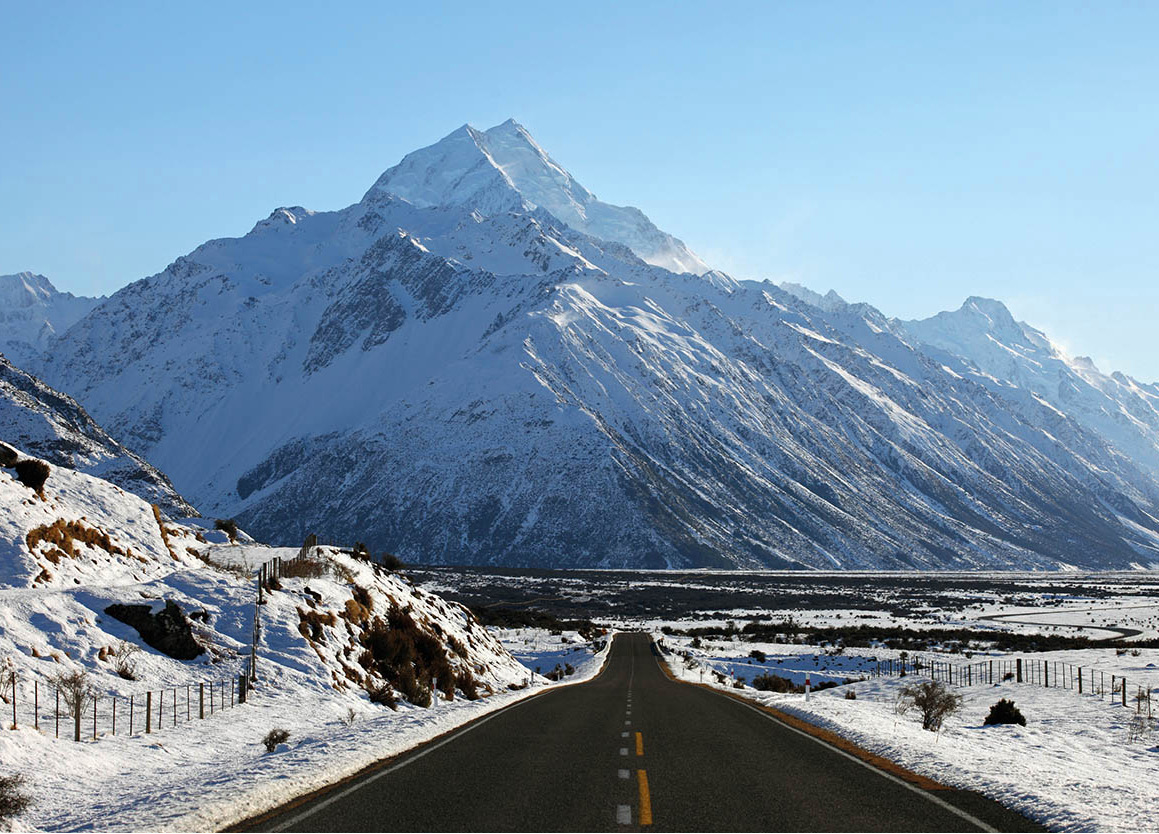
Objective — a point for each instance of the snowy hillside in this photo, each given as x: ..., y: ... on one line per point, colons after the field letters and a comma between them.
x: 1020, y: 363
x: 354, y: 661
x: 53, y: 426
x: 33, y: 312
x: 458, y: 376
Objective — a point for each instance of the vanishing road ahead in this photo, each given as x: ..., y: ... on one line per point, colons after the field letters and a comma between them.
x: 632, y: 750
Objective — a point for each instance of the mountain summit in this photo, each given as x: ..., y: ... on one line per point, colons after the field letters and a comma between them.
x: 504, y: 169
x: 476, y: 364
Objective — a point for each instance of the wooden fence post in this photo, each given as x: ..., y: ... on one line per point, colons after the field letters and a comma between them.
x: 1124, y: 691
x: 58, y: 712
x: 114, y: 715
x: 1046, y: 673
x: 1080, y: 680
x: 36, y: 704
x: 1019, y: 662
x: 201, y: 700
x: 131, y: 699
x: 149, y: 711
x: 78, y: 705
x: 94, y: 718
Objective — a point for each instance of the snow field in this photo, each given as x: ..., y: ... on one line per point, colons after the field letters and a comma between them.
x: 1072, y: 768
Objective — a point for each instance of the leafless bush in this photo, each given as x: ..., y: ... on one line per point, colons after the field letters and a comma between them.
x: 933, y: 700
x: 274, y: 738
x: 13, y: 802
x: 350, y: 717
x: 75, y: 690
x: 307, y: 568
x: 124, y: 660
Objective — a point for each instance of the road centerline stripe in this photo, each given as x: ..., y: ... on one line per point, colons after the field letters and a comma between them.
x: 639, y: 744
x: 645, y: 798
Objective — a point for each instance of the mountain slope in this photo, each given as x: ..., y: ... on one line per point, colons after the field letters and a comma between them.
x: 457, y: 374
x: 504, y: 169
x: 1016, y: 361
x: 53, y: 426
x: 33, y: 312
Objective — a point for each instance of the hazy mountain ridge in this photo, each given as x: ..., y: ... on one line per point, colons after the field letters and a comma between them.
x: 477, y: 380
x: 53, y: 426
x: 33, y: 312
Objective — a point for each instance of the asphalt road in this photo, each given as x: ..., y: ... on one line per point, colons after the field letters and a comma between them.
x: 635, y: 750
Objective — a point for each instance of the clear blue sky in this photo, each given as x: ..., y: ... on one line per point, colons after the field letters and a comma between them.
x: 907, y: 155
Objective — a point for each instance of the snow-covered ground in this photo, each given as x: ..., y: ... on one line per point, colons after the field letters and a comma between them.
x: 1075, y: 766
x: 314, y: 660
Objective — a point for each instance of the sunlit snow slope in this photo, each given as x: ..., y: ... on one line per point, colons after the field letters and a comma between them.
x: 464, y: 368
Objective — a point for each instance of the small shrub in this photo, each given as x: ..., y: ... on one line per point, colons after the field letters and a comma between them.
x: 850, y: 695
x: 350, y: 717
x: 391, y: 562
x: 13, y: 802
x: 933, y: 700
x: 32, y: 473
x: 382, y: 694
x: 274, y: 738
x: 758, y: 655
x: 739, y: 684
x: 1009, y: 676
x: 8, y: 455
x: 307, y: 568
x: 75, y: 690
x: 466, y: 683
x: 775, y: 683
x: 1004, y: 712
x: 227, y: 526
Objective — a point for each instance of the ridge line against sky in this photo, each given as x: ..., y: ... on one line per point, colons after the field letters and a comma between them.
x: 908, y: 156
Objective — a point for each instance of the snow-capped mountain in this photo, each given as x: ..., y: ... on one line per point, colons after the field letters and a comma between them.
x: 52, y: 426
x: 33, y: 312
x: 450, y: 370
x: 1020, y: 363
x: 504, y: 169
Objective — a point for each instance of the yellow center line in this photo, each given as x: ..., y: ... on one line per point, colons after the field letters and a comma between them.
x: 639, y: 744
x: 645, y: 798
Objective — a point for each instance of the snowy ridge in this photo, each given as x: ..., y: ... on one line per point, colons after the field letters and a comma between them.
x: 1018, y: 363
x: 33, y: 312
x: 461, y: 378
x: 504, y: 169
x: 53, y: 426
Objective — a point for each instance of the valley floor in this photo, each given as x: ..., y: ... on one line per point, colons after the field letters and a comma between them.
x: 1082, y: 763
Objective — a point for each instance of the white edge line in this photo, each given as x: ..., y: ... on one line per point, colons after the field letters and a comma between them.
x: 359, y: 784
x: 922, y: 793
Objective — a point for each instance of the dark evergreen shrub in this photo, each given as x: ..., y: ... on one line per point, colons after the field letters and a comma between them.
x: 227, y: 526
x: 274, y: 738
x: 13, y: 802
x: 32, y: 473
x: 8, y: 455
x: 1004, y: 712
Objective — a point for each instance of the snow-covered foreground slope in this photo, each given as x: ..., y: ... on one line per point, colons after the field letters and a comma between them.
x: 1073, y: 767
x: 53, y: 426
x: 319, y: 657
x: 450, y: 371
x: 33, y: 312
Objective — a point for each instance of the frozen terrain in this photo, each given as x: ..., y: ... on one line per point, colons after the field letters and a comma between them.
x: 471, y: 363
x: 314, y: 674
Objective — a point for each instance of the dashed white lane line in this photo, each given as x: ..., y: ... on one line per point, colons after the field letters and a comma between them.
x: 623, y: 814
x: 625, y: 734
x: 626, y: 723
x: 623, y: 751
x: 624, y: 774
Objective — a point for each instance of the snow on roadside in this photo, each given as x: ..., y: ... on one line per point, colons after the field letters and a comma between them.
x: 1071, y: 768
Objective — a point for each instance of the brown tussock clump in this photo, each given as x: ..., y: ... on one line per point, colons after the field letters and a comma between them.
x: 66, y: 534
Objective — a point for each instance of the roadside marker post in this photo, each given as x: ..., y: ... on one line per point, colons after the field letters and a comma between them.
x: 807, y: 686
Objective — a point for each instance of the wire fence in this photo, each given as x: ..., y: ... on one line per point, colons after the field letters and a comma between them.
x: 1082, y: 680
x: 70, y: 704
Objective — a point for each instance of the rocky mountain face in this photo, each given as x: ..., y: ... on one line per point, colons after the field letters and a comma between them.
x: 53, y: 426
x: 480, y: 363
x: 33, y: 312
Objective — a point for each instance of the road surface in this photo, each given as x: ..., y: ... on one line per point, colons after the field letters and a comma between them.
x: 634, y: 750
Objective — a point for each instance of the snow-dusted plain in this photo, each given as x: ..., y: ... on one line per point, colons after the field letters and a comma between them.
x: 202, y: 775
x: 1084, y: 762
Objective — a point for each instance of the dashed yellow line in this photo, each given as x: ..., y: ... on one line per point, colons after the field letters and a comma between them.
x: 639, y: 744
x: 645, y: 798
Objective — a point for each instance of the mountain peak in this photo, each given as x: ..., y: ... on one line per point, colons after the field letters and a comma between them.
x: 25, y: 289
x: 504, y: 169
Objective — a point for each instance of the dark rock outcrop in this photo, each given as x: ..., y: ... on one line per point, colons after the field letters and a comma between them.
x: 167, y: 631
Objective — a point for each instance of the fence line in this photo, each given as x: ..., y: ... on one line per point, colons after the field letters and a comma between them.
x: 1035, y: 672
x: 145, y: 714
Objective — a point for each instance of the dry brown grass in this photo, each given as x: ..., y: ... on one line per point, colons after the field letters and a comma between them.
x: 65, y: 535
x: 164, y: 532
